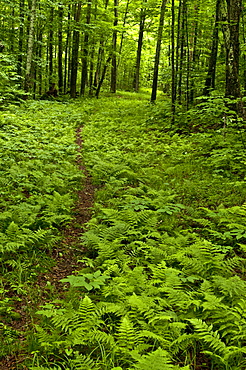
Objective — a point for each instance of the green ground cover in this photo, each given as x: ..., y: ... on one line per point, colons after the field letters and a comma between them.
x: 163, y: 285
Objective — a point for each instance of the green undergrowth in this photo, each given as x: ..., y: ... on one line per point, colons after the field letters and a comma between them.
x: 163, y: 285
x: 38, y: 179
x: 163, y: 280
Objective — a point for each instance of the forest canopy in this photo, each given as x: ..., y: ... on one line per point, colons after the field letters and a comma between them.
x: 185, y: 48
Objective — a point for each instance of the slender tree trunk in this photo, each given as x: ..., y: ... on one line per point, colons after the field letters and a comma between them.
x: 182, y: 44
x: 234, y: 8
x: 123, y: 31
x: 60, y: 48
x: 102, y: 77
x: 158, y: 51
x: 91, y: 71
x: 21, y: 36
x: 114, y: 50
x: 139, y: 50
x: 67, y: 51
x: 178, y: 43
x: 51, y: 42
x: 85, y: 50
x: 210, y: 79
x: 173, y: 63
x: 27, y: 84
x: 188, y: 63
x: 75, y: 52
x: 40, y: 54
x: 100, y: 56
x: 12, y: 32
x: 244, y: 56
x: 193, y: 54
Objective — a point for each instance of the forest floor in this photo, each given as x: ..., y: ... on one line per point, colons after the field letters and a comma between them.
x: 156, y: 243
x: 65, y: 260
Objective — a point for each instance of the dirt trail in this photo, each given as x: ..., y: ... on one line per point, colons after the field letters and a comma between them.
x: 65, y: 256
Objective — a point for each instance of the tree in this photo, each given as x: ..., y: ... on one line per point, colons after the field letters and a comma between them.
x: 140, y: 45
x: 60, y: 48
x: 30, y: 44
x: 75, y: 50
x: 114, y: 49
x: 85, y: 50
x: 234, y: 8
x: 158, y: 50
x: 210, y: 80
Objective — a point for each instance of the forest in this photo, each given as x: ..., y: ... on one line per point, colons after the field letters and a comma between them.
x: 122, y: 185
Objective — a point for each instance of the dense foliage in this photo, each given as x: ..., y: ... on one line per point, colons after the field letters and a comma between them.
x: 163, y: 278
x: 37, y: 175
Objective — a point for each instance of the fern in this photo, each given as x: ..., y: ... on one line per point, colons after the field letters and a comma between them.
x: 127, y: 336
x: 209, y: 336
x: 157, y: 360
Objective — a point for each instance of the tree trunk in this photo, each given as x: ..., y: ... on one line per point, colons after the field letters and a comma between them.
x: 51, y: 42
x: 173, y: 62
x: 139, y: 50
x: 158, y: 51
x: 123, y: 26
x: 234, y: 8
x: 85, y: 50
x: 100, y: 57
x: 114, y: 50
x: 75, y: 52
x: 210, y: 80
x: 193, y: 53
x: 102, y: 77
x: 27, y: 84
x: 67, y: 51
x: 182, y: 44
x: 60, y: 48
x: 21, y: 36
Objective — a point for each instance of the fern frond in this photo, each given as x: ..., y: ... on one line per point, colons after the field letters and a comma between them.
x: 127, y: 336
x: 119, y: 230
x: 157, y: 360
x: 209, y: 336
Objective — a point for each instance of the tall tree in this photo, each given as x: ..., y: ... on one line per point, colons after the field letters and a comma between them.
x: 210, y: 79
x: 75, y: 50
x: 67, y: 51
x: 234, y: 8
x: 140, y: 45
x: 51, y: 43
x: 114, y: 49
x: 30, y: 44
x: 85, y: 49
x: 173, y: 62
x: 182, y: 48
x: 21, y: 36
x: 60, y: 47
x: 158, y: 51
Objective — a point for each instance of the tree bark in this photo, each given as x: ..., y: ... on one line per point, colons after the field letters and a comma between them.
x: 182, y: 44
x: 67, y: 51
x: 75, y: 52
x: 173, y: 63
x: 102, y: 77
x: 139, y: 50
x: 60, y: 48
x: 84, y: 71
x: 158, y: 51
x: 210, y: 80
x: 27, y: 84
x: 21, y: 36
x: 51, y: 42
x: 234, y: 8
x: 114, y: 50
